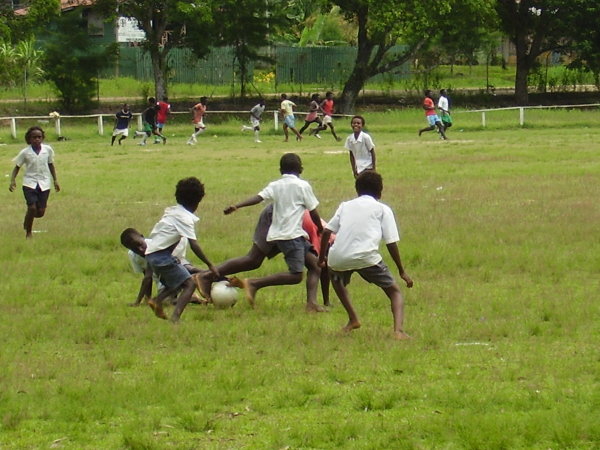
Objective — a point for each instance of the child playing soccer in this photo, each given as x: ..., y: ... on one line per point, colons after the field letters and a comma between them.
x: 122, y: 119
x: 361, y: 147
x: 198, y: 111
x: 360, y: 225
x: 177, y: 223
x: 136, y: 244
x: 149, y: 116
x: 38, y: 159
x: 290, y: 196
x: 255, y: 118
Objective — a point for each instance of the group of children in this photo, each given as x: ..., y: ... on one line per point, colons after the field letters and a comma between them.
x: 440, y: 122
x: 359, y: 226
x: 290, y: 225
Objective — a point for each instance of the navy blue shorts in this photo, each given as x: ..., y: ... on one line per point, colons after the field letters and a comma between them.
x: 36, y: 196
x: 169, y: 269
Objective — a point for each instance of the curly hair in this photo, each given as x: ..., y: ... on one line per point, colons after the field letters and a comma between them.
x: 189, y: 192
x: 370, y: 183
x: 290, y: 163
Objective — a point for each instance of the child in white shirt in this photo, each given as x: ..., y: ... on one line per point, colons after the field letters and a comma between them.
x: 360, y: 224
x: 361, y: 146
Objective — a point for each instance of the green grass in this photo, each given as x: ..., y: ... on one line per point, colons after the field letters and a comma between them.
x: 499, y: 232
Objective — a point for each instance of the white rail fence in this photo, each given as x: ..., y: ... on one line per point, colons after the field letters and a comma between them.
x: 521, y: 110
x: 138, y: 117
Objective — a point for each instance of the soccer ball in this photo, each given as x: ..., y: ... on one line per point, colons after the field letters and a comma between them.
x: 223, y: 295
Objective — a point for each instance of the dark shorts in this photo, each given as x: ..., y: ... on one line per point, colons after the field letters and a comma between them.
x: 260, y: 233
x: 378, y: 274
x: 294, y: 251
x: 36, y: 196
x: 169, y: 269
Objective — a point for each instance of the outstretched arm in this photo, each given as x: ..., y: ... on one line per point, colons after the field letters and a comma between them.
x: 248, y: 202
x: 395, y: 254
x: 200, y: 254
x: 145, y: 287
x: 13, y: 179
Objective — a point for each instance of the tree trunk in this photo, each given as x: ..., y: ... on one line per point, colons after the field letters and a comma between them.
x: 159, y: 69
x: 352, y: 88
x: 522, y: 73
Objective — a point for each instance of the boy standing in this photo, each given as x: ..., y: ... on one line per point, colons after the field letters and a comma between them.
x: 360, y: 224
x: 255, y: 117
x: 177, y: 223
x: 290, y: 196
x: 361, y: 147
x: 122, y: 119
x: 198, y: 111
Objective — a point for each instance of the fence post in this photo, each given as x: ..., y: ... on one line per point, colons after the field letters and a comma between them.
x: 140, y: 123
x: 100, y: 125
x: 57, y: 126
x: 13, y: 127
x: 483, y: 119
x: 276, y: 119
x: 521, y: 116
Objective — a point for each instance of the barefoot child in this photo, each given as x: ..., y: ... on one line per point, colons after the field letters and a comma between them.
x: 290, y: 196
x: 361, y: 147
x: 38, y: 159
x: 177, y: 223
x: 360, y: 225
x: 135, y: 242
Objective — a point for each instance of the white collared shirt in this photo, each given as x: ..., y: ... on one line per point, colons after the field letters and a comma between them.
x: 290, y: 196
x: 360, y: 225
x: 176, y: 223
x: 361, y: 149
x: 37, y: 170
x: 443, y: 104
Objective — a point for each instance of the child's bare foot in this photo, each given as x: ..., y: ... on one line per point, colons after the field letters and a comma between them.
x: 198, y: 301
x: 28, y: 235
x: 314, y: 307
x: 249, y: 290
x: 203, y: 284
x: 236, y: 282
x: 174, y: 318
x: 351, y: 326
x: 157, y: 308
x: 401, y: 336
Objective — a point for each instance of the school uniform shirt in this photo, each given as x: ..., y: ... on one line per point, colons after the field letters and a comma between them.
x: 176, y: 224
x: 361, y: 147
x: 443, y: 104
x: 290, y: 196
x: 360, y: 225
x: 36, y: 166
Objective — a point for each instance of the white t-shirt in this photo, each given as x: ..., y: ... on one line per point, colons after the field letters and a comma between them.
x: 360, y: 225
x: 443, y: 104
x: 36, y: 170
x: 361, y: 149
x: 257, y: 110
x: 287, y: 106
x: 176, y: 223
x: 290, y: 196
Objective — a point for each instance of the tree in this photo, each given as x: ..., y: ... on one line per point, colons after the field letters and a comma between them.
x: 74, y: 72
x: 168, y: 24
x: 585, y: 15
x: 381, y: 24
x: 28, y: 60
x: 534, y: 27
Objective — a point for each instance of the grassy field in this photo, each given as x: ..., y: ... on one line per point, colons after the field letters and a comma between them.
x: 499, y: 232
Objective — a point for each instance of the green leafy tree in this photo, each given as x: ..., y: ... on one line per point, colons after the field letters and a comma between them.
x: 72, y: 61
x: 585, y: 15
x: 168, y: 24
x: 534, y: 27
x: 29, y: 63
x: 381, y: 25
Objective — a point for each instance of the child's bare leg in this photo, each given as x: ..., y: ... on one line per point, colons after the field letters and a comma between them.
x: 28, y: 222
x: 312, y: 283
x: 252, y: 260
x: 325, y: 286
x: 156, y: 303
x: 183, y: 299
x: 252, y: 285
x: 397, y: 304
x: 285, y: 132
x: 344, y: 296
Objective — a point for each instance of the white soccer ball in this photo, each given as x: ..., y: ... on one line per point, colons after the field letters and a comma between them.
x: 223, y: 295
